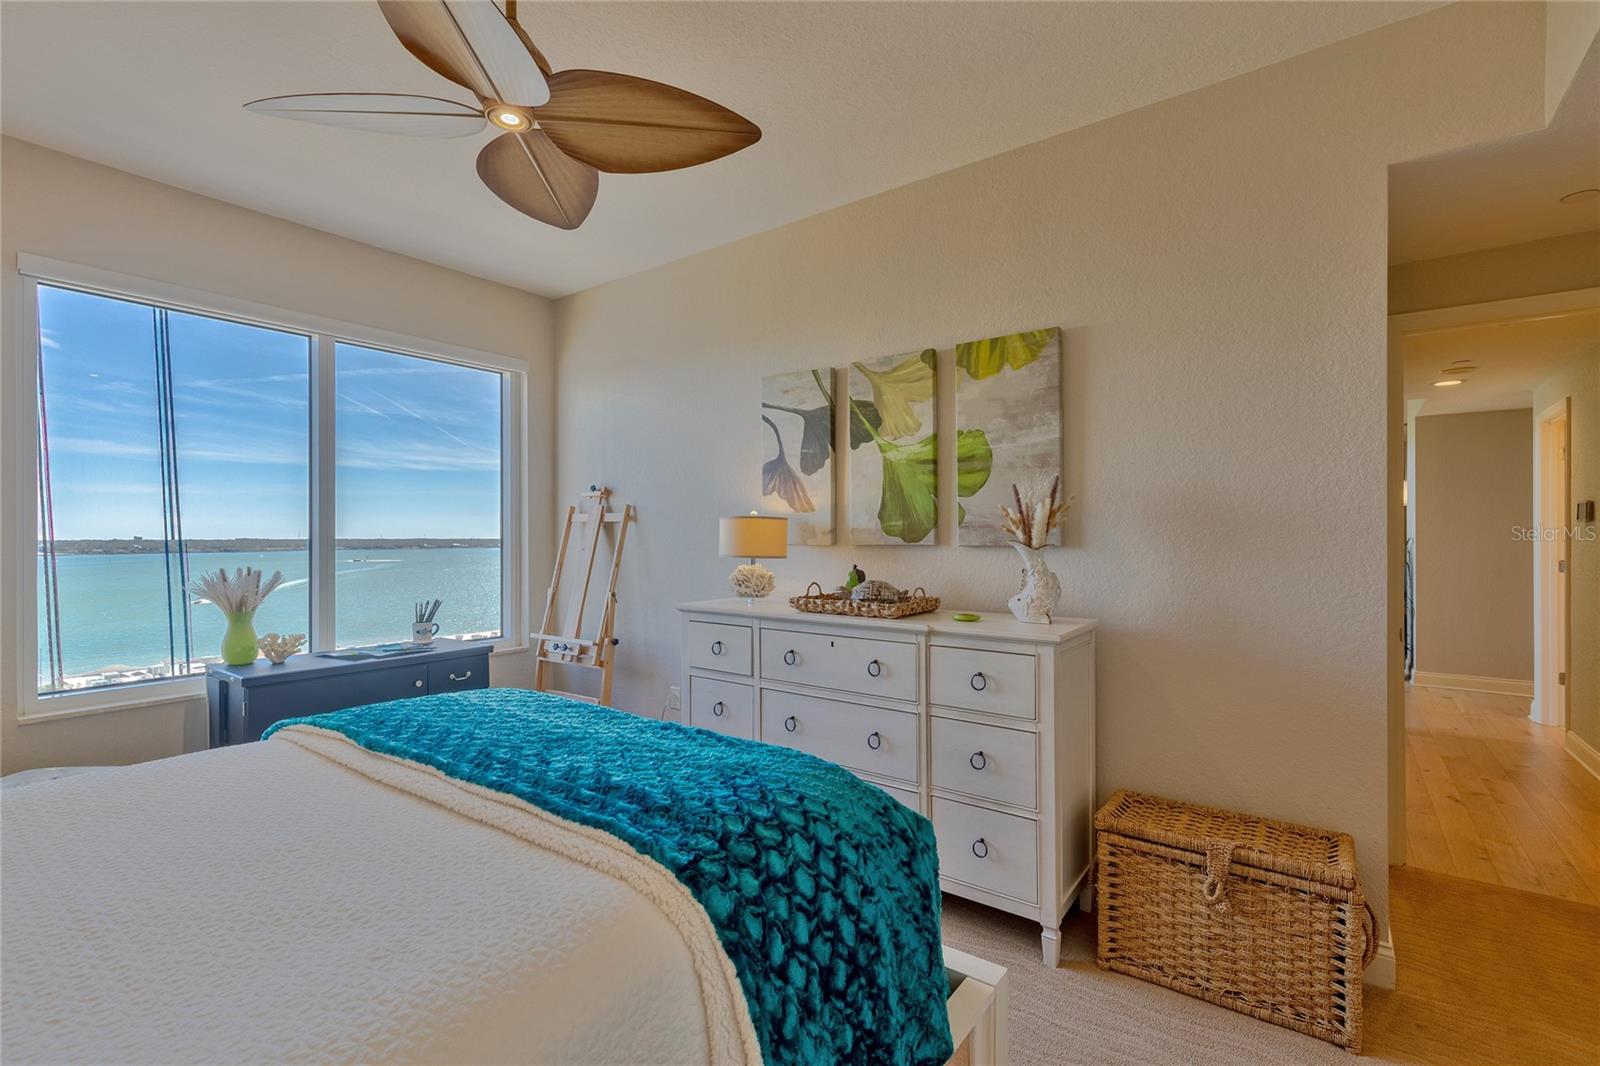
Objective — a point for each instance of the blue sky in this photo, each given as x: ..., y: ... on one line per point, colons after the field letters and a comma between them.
x: 418, y: 442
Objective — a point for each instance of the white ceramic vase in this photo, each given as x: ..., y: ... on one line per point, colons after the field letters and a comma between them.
x: 1041, y: 589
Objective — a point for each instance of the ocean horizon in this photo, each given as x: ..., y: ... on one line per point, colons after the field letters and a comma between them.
x: 114, y: 621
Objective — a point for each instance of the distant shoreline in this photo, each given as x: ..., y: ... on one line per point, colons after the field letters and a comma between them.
x: 140, y: 546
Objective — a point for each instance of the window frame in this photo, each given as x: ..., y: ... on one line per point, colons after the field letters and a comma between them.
x: 21, y: 411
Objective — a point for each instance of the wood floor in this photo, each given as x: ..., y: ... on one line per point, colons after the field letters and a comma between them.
x: 1492, y: 797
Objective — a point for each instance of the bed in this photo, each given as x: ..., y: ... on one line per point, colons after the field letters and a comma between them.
x: 498, y: 876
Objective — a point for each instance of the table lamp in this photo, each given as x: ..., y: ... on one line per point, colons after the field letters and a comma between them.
x: 753, y: 536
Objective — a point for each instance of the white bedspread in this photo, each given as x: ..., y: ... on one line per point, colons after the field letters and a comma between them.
x: 303, y: 899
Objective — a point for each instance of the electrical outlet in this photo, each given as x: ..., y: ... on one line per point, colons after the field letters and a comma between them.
x: 674, y: 699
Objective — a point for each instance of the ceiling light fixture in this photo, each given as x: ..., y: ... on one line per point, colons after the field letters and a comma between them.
x: 508, y: 118
x: 1445, y: 382
x: 1580, y: 196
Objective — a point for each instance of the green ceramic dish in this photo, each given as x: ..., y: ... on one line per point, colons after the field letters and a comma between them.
x: 966, y: 616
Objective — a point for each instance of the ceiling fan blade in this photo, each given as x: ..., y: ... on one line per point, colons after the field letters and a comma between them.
x: 472, y: 43
x: 419, y: 116
x: 531, y: 174
x: 627, y: 125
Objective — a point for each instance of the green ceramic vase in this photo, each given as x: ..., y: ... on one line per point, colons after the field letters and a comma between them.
x: 239, y: 642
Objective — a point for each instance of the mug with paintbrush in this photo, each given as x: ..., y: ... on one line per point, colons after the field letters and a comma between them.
x: 423, y: 627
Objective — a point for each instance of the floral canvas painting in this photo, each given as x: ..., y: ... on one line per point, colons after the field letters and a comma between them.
x: 1009, y: 389
x: 797, y: 452
x: 894, y: 451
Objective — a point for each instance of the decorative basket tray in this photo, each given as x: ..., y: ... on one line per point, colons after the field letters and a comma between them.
x: 919, y: 602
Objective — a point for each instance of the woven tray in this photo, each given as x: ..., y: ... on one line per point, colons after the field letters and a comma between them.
x: 919, y: 602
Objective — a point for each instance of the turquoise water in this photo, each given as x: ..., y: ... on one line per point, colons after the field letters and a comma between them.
x: 114, y: 610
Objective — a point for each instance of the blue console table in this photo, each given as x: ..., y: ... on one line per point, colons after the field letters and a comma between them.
x: 244, y: 700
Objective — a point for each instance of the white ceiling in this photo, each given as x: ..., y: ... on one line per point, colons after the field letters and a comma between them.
x: 853, y: 99
x: 1510, y: 357
x: 1506, y: 192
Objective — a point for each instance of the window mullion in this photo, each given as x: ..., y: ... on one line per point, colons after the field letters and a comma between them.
x: 321, y: 524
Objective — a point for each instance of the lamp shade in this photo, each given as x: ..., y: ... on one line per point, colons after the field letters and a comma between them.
x: 754, y: 536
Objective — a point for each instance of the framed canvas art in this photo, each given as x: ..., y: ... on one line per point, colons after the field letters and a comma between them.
x: 1009, y: 390
x: 894, y: 449
x: 797, y: 452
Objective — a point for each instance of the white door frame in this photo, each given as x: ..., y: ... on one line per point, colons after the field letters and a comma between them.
x: 1552, y: 578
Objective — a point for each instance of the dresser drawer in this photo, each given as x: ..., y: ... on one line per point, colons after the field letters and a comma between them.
x: 904, y: 795
x: 458, y: 676
x: 985, y: 760
x: 875, y: 739
x: 863, y: 665
x: 724, y: 706
x: 718, y: 646
x: 994, y: 851
x: 994, y: 681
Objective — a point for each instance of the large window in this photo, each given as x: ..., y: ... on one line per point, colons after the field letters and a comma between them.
x: 171, y: 441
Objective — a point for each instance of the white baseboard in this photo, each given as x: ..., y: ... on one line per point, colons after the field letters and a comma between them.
x: 1584, y: 752
x: 1499, y: 686
x: 1380, y: 972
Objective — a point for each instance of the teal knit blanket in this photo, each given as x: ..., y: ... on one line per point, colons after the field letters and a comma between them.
x: 823, y: 889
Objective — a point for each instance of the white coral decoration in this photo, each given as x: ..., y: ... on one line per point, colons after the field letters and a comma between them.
x: 240, y: 594
x: 279, y: 646
x: 1039, y: 510
x: 751, y: 580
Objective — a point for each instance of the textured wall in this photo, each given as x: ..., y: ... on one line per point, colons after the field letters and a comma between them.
x: 1581, y: 382
x: 65, y: 208
x: 1218, y: 265
x: 1473, y: 488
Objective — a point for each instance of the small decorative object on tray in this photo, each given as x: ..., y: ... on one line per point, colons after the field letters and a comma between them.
x: 279, y: 646
x: 901, y: 605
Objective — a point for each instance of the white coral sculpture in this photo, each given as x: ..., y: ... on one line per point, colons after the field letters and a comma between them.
x: 1038, y: 512
x: 240, y: 594
x: 279, y: 646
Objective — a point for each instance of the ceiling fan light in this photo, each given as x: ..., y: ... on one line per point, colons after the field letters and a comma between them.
x: 509, y: 118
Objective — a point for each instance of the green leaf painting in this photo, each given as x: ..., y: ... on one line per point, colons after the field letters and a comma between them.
x: 797, y: 460
x: 985, y: 359
x: 894, y: 494
x: 1008, y: 389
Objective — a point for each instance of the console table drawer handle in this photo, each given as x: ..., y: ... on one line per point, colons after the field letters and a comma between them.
x: 789, y: 657
x: 978, y: 761
x: 417, y: 682
x: 875, y: 741
x: 980, y: 843
x: 464, y: 677
x: 874, y: 669
x: 979, y: 682
x: 717, y: 708
x: 716, y: 647
x: 790, y: 724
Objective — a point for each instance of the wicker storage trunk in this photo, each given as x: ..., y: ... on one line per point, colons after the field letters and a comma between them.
x: 1259, y: 915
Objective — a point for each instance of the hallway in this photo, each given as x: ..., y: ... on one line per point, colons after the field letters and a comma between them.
x: 1492, y: 797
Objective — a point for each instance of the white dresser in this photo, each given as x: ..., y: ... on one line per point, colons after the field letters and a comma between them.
x: 986, y: 727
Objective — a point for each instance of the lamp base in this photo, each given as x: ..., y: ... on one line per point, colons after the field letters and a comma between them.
x: 751, y: 580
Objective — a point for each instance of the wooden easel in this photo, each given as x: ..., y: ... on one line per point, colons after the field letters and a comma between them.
x: 563, y: 644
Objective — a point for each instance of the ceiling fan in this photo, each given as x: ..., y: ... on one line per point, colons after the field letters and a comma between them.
x: 560, y: 127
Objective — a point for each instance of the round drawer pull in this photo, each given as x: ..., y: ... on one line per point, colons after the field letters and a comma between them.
x: 979, y: 682
x: 790, y: 724
x: 874, y: 741
x: 716, y: 647
x: 978, y: 761
x: 717, y: 708
x: 980, y: 848
x: 874, y: 669
x: 790, y: 657
x: 417, y: 682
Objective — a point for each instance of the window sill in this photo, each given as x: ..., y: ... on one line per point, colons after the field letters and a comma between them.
x: 123, y: 698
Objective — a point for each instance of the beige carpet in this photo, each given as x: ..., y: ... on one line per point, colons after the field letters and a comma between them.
x: 1487, y: 975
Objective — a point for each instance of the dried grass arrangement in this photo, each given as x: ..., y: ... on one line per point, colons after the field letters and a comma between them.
x: 1038, y: 512
x: 240, y: 594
